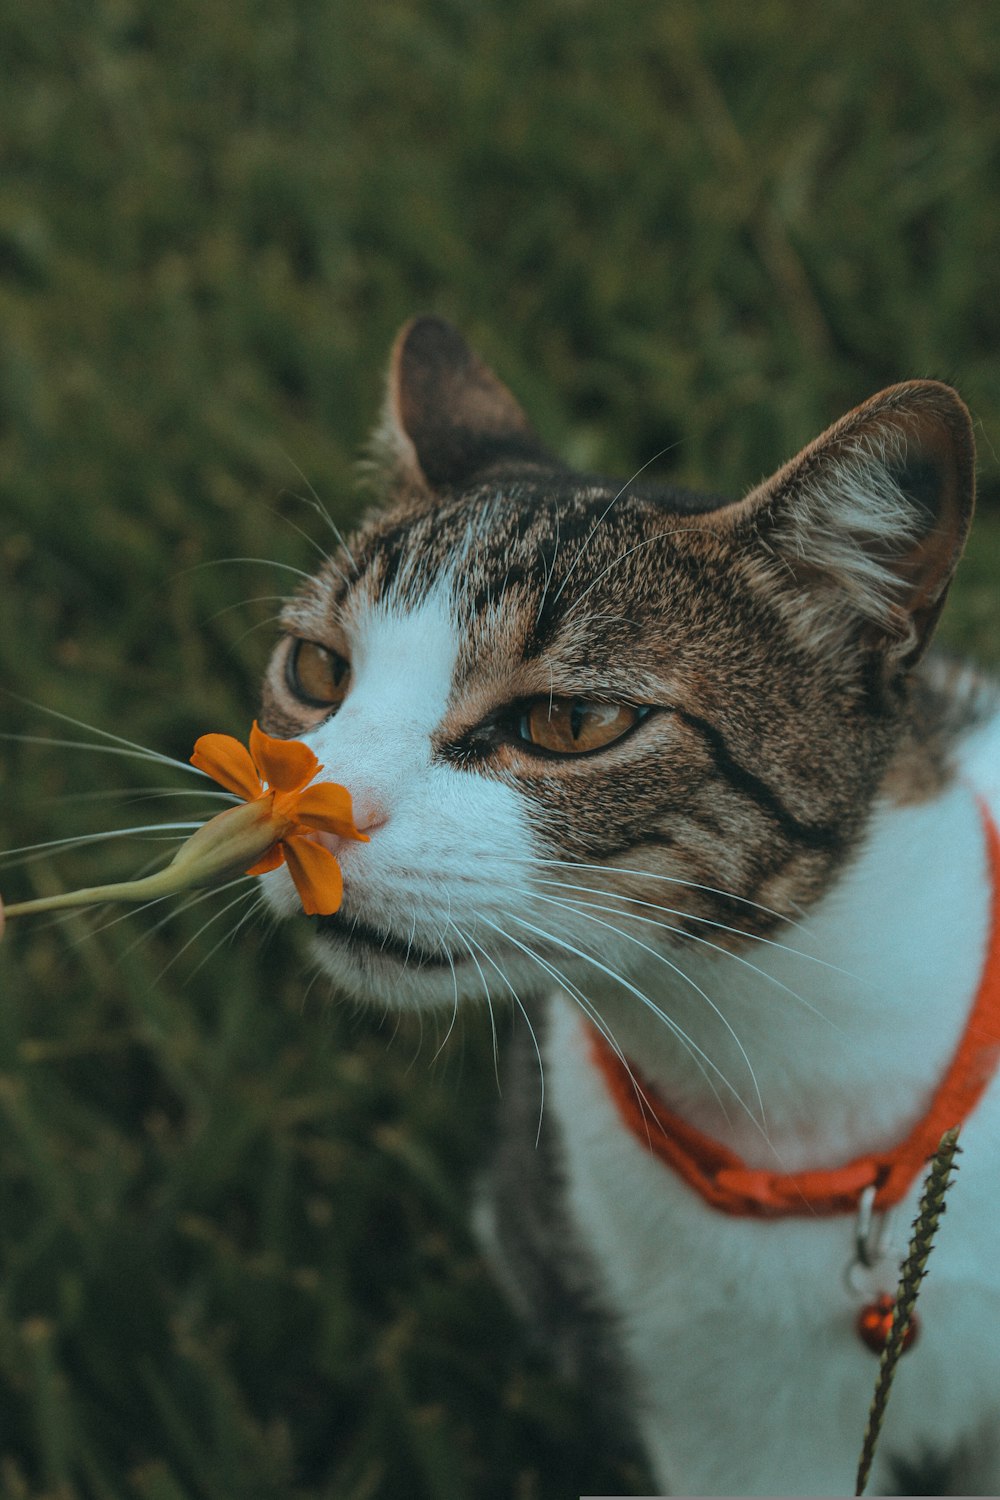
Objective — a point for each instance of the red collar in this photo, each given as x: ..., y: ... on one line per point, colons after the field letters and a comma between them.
x: 727, y: 1183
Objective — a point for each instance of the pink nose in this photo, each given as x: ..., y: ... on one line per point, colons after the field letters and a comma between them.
x: 369, y: 812
x: 369, y: 815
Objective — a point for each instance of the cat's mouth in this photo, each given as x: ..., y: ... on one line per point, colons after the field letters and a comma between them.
x: 344, y: 930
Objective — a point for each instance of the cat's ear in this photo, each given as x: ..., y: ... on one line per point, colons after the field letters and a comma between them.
x: 447, y: 418
x: 870, y: 520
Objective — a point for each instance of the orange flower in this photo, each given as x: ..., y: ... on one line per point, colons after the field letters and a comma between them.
x: 275, y: 774
x: 277, y: 823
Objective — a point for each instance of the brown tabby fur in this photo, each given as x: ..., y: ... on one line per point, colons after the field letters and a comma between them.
x: 757, y: 766
x: 773, y: 645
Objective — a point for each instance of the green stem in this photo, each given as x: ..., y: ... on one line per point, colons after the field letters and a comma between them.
x: 227, y: 845
x: 146, y: 889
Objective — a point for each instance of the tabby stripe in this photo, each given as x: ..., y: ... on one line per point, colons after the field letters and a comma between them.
x: 592, y: 848
x: 813, y: 835
x: 744, y: 911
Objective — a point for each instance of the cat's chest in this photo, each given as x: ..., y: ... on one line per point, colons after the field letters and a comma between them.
x: 670, y: 1259
x: 757, y: 1317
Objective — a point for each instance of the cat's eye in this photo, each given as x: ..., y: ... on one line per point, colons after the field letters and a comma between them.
x: 572, y: 726
x: 316, y: 675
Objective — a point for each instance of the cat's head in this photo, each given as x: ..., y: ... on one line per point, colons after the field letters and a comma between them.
x: 548, y: 690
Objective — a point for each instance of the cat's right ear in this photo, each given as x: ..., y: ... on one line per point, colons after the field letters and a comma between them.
x: 448, y: 420
x: 867, y: 524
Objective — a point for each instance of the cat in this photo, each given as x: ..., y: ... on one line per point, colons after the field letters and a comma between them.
x: 674, y: 777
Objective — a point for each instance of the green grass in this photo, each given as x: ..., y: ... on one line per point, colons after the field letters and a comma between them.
x: 234, y: 1259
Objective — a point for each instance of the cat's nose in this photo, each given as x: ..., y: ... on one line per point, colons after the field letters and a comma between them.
x: 369, y: 815
x: 369, y: 811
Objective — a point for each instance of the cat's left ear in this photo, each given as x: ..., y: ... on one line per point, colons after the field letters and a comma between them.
x: 869, y: 521
x: 447, y: 419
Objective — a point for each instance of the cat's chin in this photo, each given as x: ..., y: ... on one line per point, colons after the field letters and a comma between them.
x: 372, y: 966
x: 372, y: 963
x: 346, y: 934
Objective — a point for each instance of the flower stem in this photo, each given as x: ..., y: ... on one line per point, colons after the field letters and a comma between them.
x: 225, y: 846
x: 145, y: 889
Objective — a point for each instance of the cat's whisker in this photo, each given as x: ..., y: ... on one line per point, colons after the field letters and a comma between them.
x: 29, y: 853
x: 137, y: 753
x: 551, y: 970
x: 318, y: 973
x: 255, y: 901
x: 700, y: 1059
x: 646, y: 541
x: 312, y: 542
x: 228, y: 609
x: 145, y: 933
x: 205, y: 925
x: 550, y: 570
x: 133, y: 795
x: 411, y: 939
x: 527, y: 1019
x: 397, y: 1022
x: 603, y: 517
x: 454, y: 982
x: 691, y: 885
x: 102, y: 734
x: 486, y: 996
x: 587, y: 1007
x: 313, y: 500
x: 264, y: 624
x: 196, y: 899
x: 697, y: 1054
x: 454, y: 1012
x: 225, y: 562
x: 584, y: 907
x: 706, y: 921
x: 582, y: 910
x: 64, y: 918
x: 134, y: 911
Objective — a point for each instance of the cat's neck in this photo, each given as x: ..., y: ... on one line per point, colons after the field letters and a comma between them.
x: 849, y: 1025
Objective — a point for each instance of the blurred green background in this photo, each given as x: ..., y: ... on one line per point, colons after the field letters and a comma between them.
x: 234, y: 1259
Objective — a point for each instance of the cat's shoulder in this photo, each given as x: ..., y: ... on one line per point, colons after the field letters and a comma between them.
x: 961, y: 704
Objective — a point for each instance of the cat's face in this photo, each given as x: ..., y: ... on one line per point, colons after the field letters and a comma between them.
x: 559, y: 702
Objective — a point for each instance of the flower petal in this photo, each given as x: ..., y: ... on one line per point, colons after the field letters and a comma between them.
x: 316, y: 874
x: 284, y: 764
x: 327, y: 806
x: 229, y: 763
x: 270, y: 861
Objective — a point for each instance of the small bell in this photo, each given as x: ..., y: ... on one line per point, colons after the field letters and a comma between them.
x: 875, y: 1321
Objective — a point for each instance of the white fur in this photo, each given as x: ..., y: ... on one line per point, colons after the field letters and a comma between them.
x: 442, y: 841
x: 751, y: 1379
x: 739, y: 1333
x: 849, y: 521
